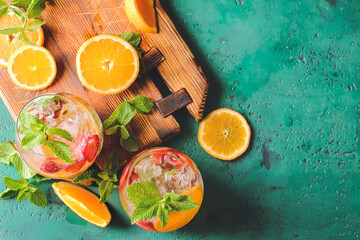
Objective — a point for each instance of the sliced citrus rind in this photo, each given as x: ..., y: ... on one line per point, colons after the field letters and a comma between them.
x: 224, y: 134
x: 141, y: 14
x: 83, y: 202
x: 107, y: 64
x: 7, y: 45
x: 32, y: 67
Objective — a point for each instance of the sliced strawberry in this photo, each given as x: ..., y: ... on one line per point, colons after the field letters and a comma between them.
x: 171, y: 162
x: 74, y: 167
x: 90, y: 147
x: 49, y: 167
x: 157, y: 159
x: 133, y: 177
x: 146, y: 225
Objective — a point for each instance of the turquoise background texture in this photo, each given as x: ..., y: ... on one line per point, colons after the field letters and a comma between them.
x: 292, y: 69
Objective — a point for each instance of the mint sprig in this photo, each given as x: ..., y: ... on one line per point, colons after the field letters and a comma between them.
x: 134, y: 39
x: 24, y: 9
x: 36, y: 133
x: 106, y: 179
x: 24, y: 190
x: 148, y: 202
x: 122, y: 115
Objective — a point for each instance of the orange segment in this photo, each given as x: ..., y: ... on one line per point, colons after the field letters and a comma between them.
x: 32, y: 67
x: 107, y: 64
x: 7, y: 46
x: 83, y: 202
x: 224, y: 134
x: 180, y: 219
x: 141, y: 14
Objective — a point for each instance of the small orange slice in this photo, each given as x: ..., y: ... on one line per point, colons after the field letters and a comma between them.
x: 224, y: 134
x: 83, y: 202
x: 141, y: 14
x: 7, y: 45
x: 180, y: 219
x: 32, y: 67
x: 107, y: 64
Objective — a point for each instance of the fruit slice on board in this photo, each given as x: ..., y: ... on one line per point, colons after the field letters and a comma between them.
x: 32, y: 67
x: 141, y: 14
x: 83, y: 202
x: 107, y: 64
x: 7, y: 44
x: 224, y: 134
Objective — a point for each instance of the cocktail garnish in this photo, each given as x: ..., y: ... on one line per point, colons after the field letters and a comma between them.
x: 36, y: 133
x: 148, y: 202
x: 122, y: 115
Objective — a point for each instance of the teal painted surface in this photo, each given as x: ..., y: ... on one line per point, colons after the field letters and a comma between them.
x: 292, y: 69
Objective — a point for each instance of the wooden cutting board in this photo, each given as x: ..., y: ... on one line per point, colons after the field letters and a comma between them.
x: 71, y: 22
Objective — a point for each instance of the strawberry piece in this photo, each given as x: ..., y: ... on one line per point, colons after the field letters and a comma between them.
x: 90, y: 147
x: 157, y: 159
x: 49, y: 167
x: 74, y: 167
x: 133, y: 177
x: 171, y: 162
x: 146, y: 225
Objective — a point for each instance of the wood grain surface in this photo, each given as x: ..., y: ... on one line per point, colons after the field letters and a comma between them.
x: 70, y: 23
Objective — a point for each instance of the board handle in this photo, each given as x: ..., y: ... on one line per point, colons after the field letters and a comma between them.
x: 152, y: 58
x: 173, y: 102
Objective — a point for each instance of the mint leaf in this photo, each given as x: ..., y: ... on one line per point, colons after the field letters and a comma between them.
x: 22, y: 37
x: 34, y: 25
x: 39, y: 178
x: 60, y: 149
x: 8, y: 193
x: 124, y: 132
x: 173, y: 171
x: 36, y: 7
x: 163, y: 214
x: 31, y: 140
x: 112, y: 130
x: 112, y: 164
x: 142, y: 104
x: 180, y: 203
x: 139, y: 191
x: 105, y: 189
x: 6, y: 151
x: 21, y: 166
x: 36, y: 196
x: 104, y: 175
x: 125, y: 113
x: 26, y: 119
x: 11, y: 31
x: 112, y: 120
x: 35, y: 127
x: 130, y: 144
x: 50, y: 99
x: 133, y: 38
x: 15, y: 184
x: 90, y: 175
x: 60, y: 132
x: 20, y: 3
x: 3, y: 8
x: 22, y: 194
x: 145, y: 210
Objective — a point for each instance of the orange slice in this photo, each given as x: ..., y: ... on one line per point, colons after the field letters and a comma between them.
x: 83, y: 202
x: 224, y: 134
x: 32, y: 67
x: 107, y: 64
x: 180, y: 219
x: 141, y: 14
x: 7, y: 46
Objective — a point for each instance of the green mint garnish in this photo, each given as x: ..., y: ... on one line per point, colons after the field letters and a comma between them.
x: 50, y: 99
x: 106, y: 179
x: 36, y: 133
x: 24, y: 190
x: 148, y: 202
x: 173, y: 171
x: 24, y: 9
x: 6, y: 151
x: 21, y: 166
x: 122, y: 115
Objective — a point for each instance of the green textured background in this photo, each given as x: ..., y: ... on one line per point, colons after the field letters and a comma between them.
x: 292, y: 69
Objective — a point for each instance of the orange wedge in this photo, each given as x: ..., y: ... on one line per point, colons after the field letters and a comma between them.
x: 107, y: 64
x: 83, y: 202
x: 32, y: 67
x: 141, y: 14
x: 7, y: 46
x: 224, y: 134
x: 180, y: 219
